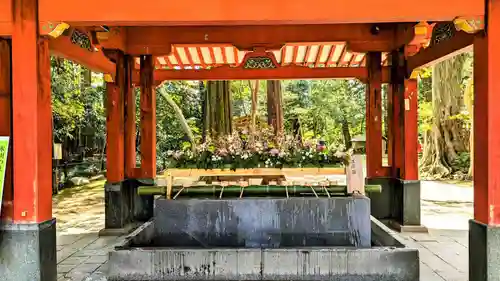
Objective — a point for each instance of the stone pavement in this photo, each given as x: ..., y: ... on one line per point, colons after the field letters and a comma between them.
x: 443, y: 251
x: 83, y: 257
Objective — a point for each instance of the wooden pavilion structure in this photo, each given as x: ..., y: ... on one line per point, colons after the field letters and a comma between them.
x: 141, y: 44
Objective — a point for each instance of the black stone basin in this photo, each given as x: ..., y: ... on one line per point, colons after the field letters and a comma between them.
x: 282, y: 239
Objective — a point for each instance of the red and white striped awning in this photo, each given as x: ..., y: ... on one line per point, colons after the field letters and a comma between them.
x: 314, y: 55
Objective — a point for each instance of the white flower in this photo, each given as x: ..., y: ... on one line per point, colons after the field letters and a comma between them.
x: 339, y: 154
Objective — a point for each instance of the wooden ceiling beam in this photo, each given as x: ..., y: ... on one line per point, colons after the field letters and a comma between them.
x: 280, y: 73
x: 459, y: 43
x: 158, y: 40
x: 223, y: 12
x: 94, y: 60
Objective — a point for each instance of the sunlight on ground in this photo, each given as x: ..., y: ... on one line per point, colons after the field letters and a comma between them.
x: 446, y: 215
x: 457, y: 182
x: 80, y: 209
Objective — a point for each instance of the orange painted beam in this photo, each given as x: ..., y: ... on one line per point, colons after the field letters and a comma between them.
x: 148, y: 118
x: 486, y: 120
x: 32, y: 122
x: 131, y: 12
x: 374, y: 115
x: 5, y: 124
x: 95, y: 61
x: 158, y: 40
x: 129, y: 119
x: 281, y: 73
x: 461, y: 42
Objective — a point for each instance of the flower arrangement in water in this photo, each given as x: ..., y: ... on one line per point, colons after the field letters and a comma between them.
x: 244, y: 150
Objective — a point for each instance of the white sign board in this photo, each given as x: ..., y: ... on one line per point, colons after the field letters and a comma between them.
x: 57, y: 151
x: 355, y: 176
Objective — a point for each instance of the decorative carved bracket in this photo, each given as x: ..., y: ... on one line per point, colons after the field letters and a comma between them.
x: 259, y: 60
x: 81, y: 39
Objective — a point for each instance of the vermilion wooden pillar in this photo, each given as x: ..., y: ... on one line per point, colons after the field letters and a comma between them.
x: 396, y: 120
x: 28, y: 243
x: 403, y: 121
x: 6, y: 123
x: 487, y: 121
x: 32, y: 122
x: 44, y: 118
x: 115, y: 124
x: 118, y: 200
x: 130, y: 130
x: 141, y: 206
x: 148, y: 118
x: 484, y: 230
x: 409, y: 170
x: 399, y: 201
x: 374, y: 115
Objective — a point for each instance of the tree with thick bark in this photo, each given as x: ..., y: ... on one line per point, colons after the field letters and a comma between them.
x: 448, y: 135
x: 275, y: 106
x: 217, y: 109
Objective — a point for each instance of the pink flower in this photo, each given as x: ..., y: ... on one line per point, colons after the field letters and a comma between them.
x: 222, y: 152
x: 274, y: 151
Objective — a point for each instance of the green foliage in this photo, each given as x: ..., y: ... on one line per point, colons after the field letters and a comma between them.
x: 77, y: 104
x: 169, y: 132
x: 78, y: 98
x: 322, y: 106
x: 462, y: 163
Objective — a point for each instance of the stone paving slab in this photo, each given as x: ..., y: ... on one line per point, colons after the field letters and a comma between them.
x: 84, y: 257
x: 442, y: 257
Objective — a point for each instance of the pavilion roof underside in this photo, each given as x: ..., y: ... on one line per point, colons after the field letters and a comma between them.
x: 312, y: 55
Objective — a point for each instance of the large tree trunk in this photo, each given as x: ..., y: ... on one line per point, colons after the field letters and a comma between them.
x: 218, y: 109
x: 469, y: 102
x: 255, y: 91
x: 447, y: 138
x: 274, y: 106
x: 346, y: 133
